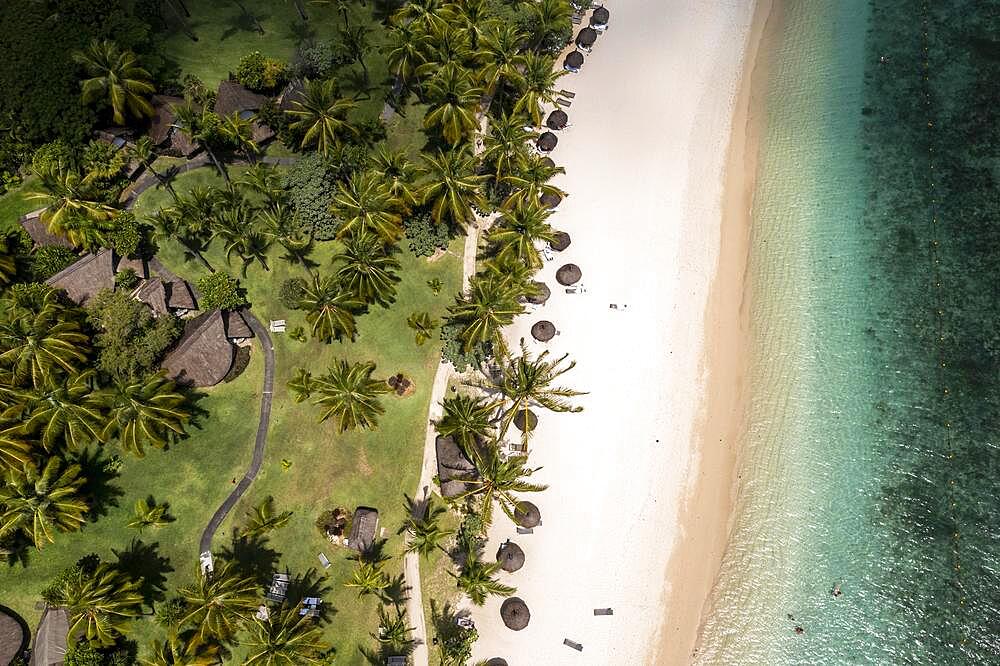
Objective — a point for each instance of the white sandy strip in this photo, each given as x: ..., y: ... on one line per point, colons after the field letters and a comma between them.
x: 644, y: 159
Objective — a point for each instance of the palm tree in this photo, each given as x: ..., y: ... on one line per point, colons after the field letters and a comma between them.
x: 424, y: 326
x: 467, y: 419
x: 117, y: 78
x: 68, y: 412
x: 262, y: 518
x: 8, y: 257
x: 40, y: 502
x: 423, y: 13
x: 424, y: 535
x: 177, y: 651
x: 196, y: 126
x: 37, y: 343
x: 74, y: 210
x: 517, y: 233
x: 452, y: 187
x: 551, y: 17
x: 450, y: 46
x: 356, y: 42
x: 264, y: 180
x: 329, y: 309
x: 474, y: 17
x: 393, y: 630
x: 505, y: 148
x: 14, y: 451
x: 490, y: 305
x: 321, y: 115
x: 348, y: 393
x: 100, y: 603
x: 148, y: 513
x: 364, y: 203
x: 238, y: 132
x: 285, y: 638
x: 367, y: 269
x: 537, y: 86
x: 453, y: 99
x: 406, y: 51
x: 219, y: 603
x: 530, y: 180
x: 499, y: 479
x: 525, y: 381
x: 148, y: 411
x: 368, y: 578
x: 397, y: 174
x: 478, y: 580
x: 144, y: 151
x: 501, y: 50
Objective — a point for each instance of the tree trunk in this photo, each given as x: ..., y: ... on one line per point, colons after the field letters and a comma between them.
x: 253, y: 17
x: 196, y: 253
x: 343, y: 12
x: 218, y: 165
x: 163, y: 181
x: 184, y: 25
x: 300, y: 9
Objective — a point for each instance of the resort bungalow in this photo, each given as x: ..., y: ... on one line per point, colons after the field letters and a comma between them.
x: 39, y: 231
x: 455, y: 469
x: 49, y: 648
x: 293, y: 92
x: 164, y: 131
x: 161, y: 296
x: 364, y: 529
x: 234, y: 98
x: 203, y: 355
x: 83, y: 279
x: 237, y: 329
x: 13, y: 636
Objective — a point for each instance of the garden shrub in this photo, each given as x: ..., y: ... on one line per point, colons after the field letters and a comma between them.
x: 291, y: 292
x: 48, y: 260
x: 425, y: 236
x: 221, y: 290
x: 260, y: 73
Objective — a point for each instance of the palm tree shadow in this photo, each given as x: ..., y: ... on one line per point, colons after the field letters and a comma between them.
x: 99, y: 472
x: 243, y: 21
x: 444, y: 621
x: 197, y: 412
x: 397, y: 591
x: 310, y: 584
x: 142, y: 561
x: 374, y: 555
x: 17, y: 550
x: 252, y: 557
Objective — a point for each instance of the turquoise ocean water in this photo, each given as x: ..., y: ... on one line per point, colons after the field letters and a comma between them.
x: 870, y: 458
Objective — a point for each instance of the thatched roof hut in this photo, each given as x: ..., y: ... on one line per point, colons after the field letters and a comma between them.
x: 547, y: 141
x: 549, y: 199
x: 556, y: 120
x: 13, y: 636
x: 586, y: 38
x: 560, y: 241
x: 234, y: 97
x: 49, y: 648
x: 237, y: 327
x: 455, y: 469
x: 510, y: 556
x: 39, y: 231
x: 179, y: 295
x: 293, y: 92
x: 515, y: 614
x: 204, y: 355
x: 163, y: 127
x: 524, y: 418
x: 527, y: 515
x: 364, y: 529
x: 543, y: 330
x: 600, y: 17
x: 154, y: 294
x: 547, y: 161
x: 543, y: 293
x: 84, y: 278
x: 573, y: 61
x: 497, y: 661
x: 568, y: 274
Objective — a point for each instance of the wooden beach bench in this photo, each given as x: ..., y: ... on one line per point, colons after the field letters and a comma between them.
x: 567, y: 93
x: 573, y: 644
x: 603, y: 611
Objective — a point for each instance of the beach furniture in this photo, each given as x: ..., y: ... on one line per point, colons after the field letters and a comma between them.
x: 573, y: 644
x: 324, y: 560
x: 207, y: 564
x: 603, y: 611
x: 567, y: 93
x: 279, y: 587
x: 563, y: 102
x: 547, y: 253
x: 525, y: 530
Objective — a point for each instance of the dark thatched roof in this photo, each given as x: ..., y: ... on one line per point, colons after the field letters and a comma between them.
x: 586, y: 38
x: 154, y: 294
x: 204, y: 354
x: 179, y: 296
x: 574, y: 60
x: 163, y: 117
x: 49, y: 648
x: 510, y: 556
x: 13, y: 637
x: 84, y: 278
x: 364, y: 529
x: 497, y: 661
x: 547, y: 161
x: 568, y: 274
x: 39, y: 231
x: 543, y: 330
x: 454, y: 467
x: 137, y: 265
x: 600, y: 16
x: 549, y: 199
x: 557, y: 120
x: 527, y: 515
x: 234, y: 97
x: 515, y: 614
x: 543, y: 293
x: 560, y: 241
x: 547, y: 141
x: 292, y: 93
x: 236, y: 325
x: 525, y: 415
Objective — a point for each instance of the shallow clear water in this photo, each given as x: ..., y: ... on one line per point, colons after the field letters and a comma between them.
x: 854, y: 471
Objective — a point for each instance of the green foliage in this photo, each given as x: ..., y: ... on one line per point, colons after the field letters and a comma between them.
x: 311, y: 186
x: 102, y: 162
x: 127, y: 236
x: 454, y: 349
x: 471, y: 534
x: 126, y: 280
x: 425, y: 236
x: 260, y: 73
x: 317, y: 60
x: 291, y: 292
x: 48, y: 260
x: 196, y: 92
x: 170, y: 612
x: 51, y: 156
x: 147, y: 513
x: 423, y: 326
x: 221, y: 290
x: 83, y: 653
x: 130, y: 341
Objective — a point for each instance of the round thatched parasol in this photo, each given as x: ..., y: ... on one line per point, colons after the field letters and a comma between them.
x: 557, y: 120
x: 560, y: 242
x: 510, y: 556
x: 549, y: 199
x: 568, y: 274
x: 543, y: 331
x: 574, y: 60
x: 527, y: 515
x: 586, y: 38
x: 543, y: 294
x: 515, y: 613
x: 520, y: 418
x: 547, y: 161
x: 600, y: 16
x: 547, y: 141
x: 497, y: 661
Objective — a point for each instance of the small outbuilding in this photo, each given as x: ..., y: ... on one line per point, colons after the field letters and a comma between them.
x: 364, y: 529
x: 204, y: 355
x: 13, y: 636
x: 455, y: 470
x: 237, y: 328
x: 163, y: 129
x: 39, y: 231
x: 83, y: 279
x: 234, y: 98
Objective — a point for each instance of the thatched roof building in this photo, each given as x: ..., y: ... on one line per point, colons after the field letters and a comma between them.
x: 39, y: 231
x: 515, y: 614
x: 49, y: 648
x: 180, y: 296
x: 237, y: 327
x: 547, y: 141
x: 204, y: 355
x: 13, y: 636
x: 234, y: 97
x: 573, y: 61
x: 454, y: 467
x: 557, y: 120
x: 154, y: 294
x: 84, y: 278
x: 364, y: 529
x: 568, y: 274
x: 293, y: 92
x: 163, y: 128
x: 510, y: 556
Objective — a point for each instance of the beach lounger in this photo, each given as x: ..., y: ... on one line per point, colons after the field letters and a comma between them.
x: 576, y: 646
x: 563, y: 102
x: 547, y: 253
x: 324, y: 560
x: 525, y: 530
x: 570, y: 290
x: 603, y: 611
x: 567, y: 93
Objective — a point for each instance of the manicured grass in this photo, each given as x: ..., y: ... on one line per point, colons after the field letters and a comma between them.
x: 15, y: 203
x: 435, y: 583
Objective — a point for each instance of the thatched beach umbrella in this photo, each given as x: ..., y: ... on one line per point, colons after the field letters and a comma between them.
x: 543, y: 331
x: 510, y: 556
x: 527, y: 515
x: 560, y: 241
x: 557, y: 120
x: 586, y: 38
x: 547, y: 141
x: 515, y: 614
x: 548, y: 162
x: 600, y: 17
x: 497, y: 661
x: 549, y: 199
x: 568, y: 274
x: 526, y: 415
x: 543, y: 294
x: 573, y: 61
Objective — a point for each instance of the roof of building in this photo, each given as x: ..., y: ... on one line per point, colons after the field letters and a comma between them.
x: 364, y: 529
x: 13, y: 638
x: 234, y: 97
x: 204, y: 355
x: 163, y: 117
x: 454, y: 467
x: 49, y: 648
x: 154, y: 294
x: 179, y: 295
x: 236, y: 324
x: 292, y: 93
x: 39, y: 231
x: 84, y: 278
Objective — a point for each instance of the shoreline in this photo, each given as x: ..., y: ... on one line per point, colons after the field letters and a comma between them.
x: 707, y: 514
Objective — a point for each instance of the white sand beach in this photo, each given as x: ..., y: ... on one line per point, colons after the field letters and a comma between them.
x: 645, y: 157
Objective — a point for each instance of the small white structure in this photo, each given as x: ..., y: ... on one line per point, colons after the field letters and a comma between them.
x: 207, y: 563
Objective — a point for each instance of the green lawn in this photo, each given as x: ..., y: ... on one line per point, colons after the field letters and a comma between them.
x: 15, y: 203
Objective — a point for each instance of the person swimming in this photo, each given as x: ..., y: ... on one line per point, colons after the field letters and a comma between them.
x: 836, y: 590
